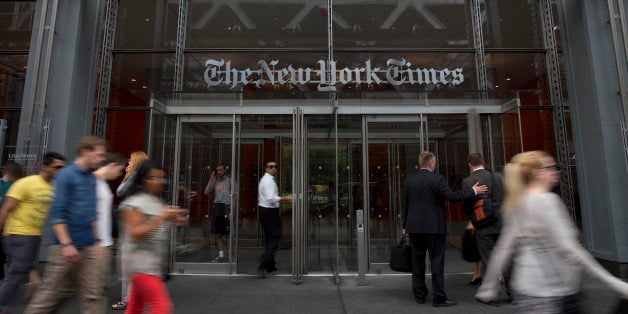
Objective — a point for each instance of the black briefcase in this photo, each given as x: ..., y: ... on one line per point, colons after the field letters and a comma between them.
x: 401, y: 257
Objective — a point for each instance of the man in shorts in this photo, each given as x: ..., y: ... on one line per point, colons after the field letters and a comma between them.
x: 220, y: 184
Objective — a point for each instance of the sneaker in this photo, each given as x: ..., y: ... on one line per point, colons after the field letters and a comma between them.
x: 219, y: 259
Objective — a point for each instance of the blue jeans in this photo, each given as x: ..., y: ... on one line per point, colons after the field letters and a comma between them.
x: 21, y: 251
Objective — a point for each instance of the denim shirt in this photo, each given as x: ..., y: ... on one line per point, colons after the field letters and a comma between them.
x: 75, y: 204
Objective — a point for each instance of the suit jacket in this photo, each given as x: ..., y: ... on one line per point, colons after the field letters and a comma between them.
x: 424, y: 195
x: 496, y: 192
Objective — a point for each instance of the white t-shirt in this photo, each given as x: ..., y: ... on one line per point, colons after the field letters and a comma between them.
x: 268, y: 194
x: 104, y: 199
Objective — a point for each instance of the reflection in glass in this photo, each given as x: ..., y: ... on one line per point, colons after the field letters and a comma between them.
x: 16, y: 24
x: 504, y: 19
x: 147, y: 24
x: 133, y: 75
x: 519, y: 71
x: 415, y: 23
x: 12, y: 79
x: 249, y: 24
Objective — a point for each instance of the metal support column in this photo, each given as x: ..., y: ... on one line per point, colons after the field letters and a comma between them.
x: 556, y: 97
x: 181, y: 34
x: 478, y: 44
x: 106, y: 63
x: 621, y: 56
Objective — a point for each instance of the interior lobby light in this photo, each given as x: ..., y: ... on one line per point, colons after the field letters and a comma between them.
x: 133, y: 80
x: 146, y: 20
x: 507, y: 79
x: 144, y: 87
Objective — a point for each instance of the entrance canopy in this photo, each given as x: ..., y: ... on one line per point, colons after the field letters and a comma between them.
x: 346, y: 102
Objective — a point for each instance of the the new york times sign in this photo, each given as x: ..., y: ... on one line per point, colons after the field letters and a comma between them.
x: 397, y: 72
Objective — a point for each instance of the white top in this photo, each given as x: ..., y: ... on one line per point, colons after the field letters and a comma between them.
x: 549, y: 261
x: 104, y: 199
x: 268, y: 193
x: 146, y: 256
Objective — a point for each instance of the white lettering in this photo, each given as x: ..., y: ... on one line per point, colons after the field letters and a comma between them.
x: 397, y: 72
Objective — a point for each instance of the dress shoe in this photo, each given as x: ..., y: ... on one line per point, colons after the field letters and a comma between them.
x: 420, y: 300
x: 271, y: 269
x: 475, y: 281
x: 446, y: 303
x: 261, y: 274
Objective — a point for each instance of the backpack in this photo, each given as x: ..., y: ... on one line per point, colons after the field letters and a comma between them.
x: 485, y: 210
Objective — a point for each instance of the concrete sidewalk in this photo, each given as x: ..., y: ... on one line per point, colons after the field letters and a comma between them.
x: 276, y: 294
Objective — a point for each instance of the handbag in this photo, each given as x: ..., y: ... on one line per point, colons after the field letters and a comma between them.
x: 485, y: 211
x: 470, y: 251
x: 401, y: 257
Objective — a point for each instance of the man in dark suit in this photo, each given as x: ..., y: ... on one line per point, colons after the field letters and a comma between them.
x: 487, y: 236
x: 424, y: 195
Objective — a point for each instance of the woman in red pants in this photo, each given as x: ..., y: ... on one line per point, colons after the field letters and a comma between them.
x: 147, y: 222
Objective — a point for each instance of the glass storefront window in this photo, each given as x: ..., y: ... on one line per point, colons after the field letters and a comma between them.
x: 512, y: 24
x: 12, y: 78
x: 147, y: 24
x: 16, y: 24
x: 519, y: 71
x: 257, y: 24
x: 10, y: 120
x: 418, y: 24
x: 134, y: 74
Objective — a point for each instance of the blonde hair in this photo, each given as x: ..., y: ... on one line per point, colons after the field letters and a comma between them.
x: 518, y: 174
x: 135, y: 161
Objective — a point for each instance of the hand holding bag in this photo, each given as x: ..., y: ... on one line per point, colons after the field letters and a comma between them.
x: 401, y: 257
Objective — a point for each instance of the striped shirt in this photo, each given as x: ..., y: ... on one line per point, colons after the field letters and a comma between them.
x: 147, y: 256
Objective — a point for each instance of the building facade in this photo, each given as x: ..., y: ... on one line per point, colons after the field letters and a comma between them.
x: 344, y: 95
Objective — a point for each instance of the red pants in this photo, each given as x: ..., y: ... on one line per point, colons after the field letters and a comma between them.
x: 148, y: 290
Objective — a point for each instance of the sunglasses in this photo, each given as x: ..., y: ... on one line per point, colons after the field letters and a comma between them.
x: 58, y: 167
x: 272, y: 166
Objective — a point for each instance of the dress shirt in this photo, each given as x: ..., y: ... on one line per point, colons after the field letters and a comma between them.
x: 268, y: 193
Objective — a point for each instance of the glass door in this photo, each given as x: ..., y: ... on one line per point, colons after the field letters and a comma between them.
x: 206, y: 152
x: 264, y: 138
x: 394, y: 144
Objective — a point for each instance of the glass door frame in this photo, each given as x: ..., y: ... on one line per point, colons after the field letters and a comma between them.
x: 207, y: 267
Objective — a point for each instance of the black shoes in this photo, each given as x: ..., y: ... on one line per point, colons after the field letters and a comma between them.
x: 475, y: 281
x: 260, y: 273
x: 446, y: 303
x: 420, y: 300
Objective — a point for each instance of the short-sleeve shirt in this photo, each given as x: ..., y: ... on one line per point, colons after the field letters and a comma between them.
x: 222, y: 188
x: 104, y: 199
x: 35, y: 196
x: 148, y: 255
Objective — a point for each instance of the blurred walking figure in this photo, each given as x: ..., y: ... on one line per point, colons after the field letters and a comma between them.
x: 11, y: 172
x: 75, y: 251
x: 111, y: 169
x: 135, y: 160
x: 549, y: 261
x: 22, y: 215
x: 147, y: 222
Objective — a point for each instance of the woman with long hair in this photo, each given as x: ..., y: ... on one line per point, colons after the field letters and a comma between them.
x: 147, y: 224
x: 549, y: 260
x: 135, y: 160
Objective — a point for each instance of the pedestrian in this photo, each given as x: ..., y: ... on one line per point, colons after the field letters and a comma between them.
x: 539, y: 237
x: 135, y: 160
x: 147, y: 222
x: 268, y: 205
x: 424, y: 195
x: 109, y: 170
x: 11, y: 172
x: 22, y: 217
x: 485, y: 236
x: 75, y: 252
x: 221, y: 185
